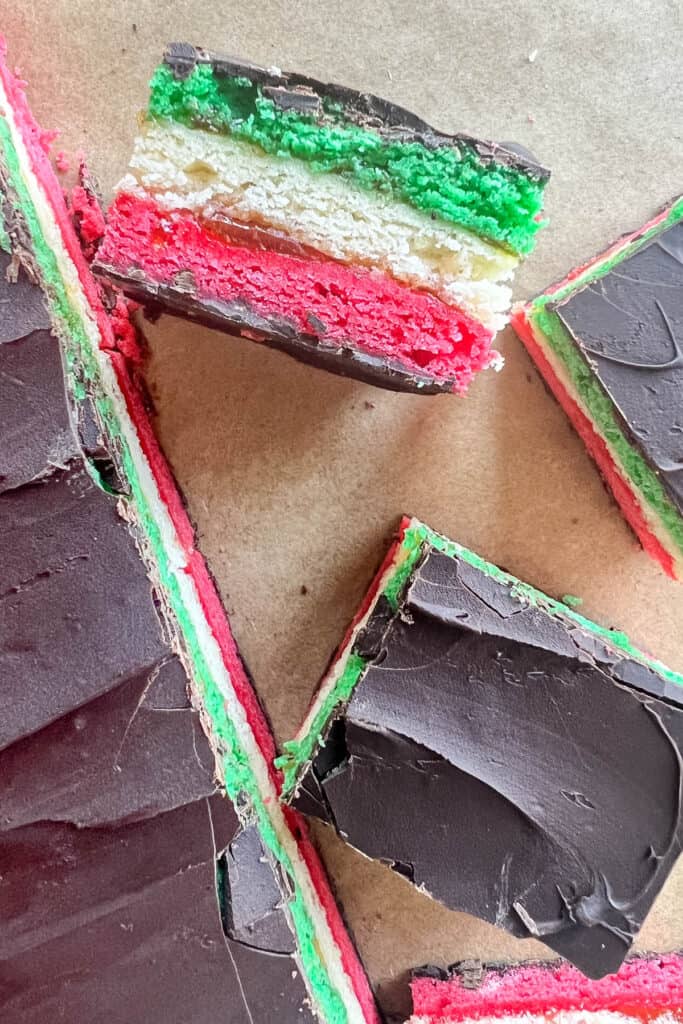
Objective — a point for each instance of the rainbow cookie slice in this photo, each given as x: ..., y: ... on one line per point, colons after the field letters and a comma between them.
x: 506, y: 755
x: 149, y: 872
x: 325, y: 222
x: 645, y: 990
x: 608, y: 342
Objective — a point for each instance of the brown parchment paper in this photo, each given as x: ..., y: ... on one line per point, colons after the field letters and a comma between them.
x: 296, y: 478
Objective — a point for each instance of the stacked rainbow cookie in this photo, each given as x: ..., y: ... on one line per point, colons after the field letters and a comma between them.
x: 139, y: 780
x: 149, y: 871
x: 607, y: 340
x: 489, y: 743
x: 322, y: 221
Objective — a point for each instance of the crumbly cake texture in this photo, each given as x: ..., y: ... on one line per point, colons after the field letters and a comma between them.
x: 109, y: 768
x: 469, y: 719
x: 646, y: 989
x: 322, y: 221
x: 607, y: 340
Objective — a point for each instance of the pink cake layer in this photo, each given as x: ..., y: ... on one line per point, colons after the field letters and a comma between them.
x: 330, y: 301
x: 644, y: 988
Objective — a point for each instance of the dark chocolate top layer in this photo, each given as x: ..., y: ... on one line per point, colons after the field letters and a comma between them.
x: 276, y: 332
x: 629, y: 327
x: 73, y: 588
x: 292, y: 91
x: 494, y: 756
x: 122, y: 924
x: 130, y: 891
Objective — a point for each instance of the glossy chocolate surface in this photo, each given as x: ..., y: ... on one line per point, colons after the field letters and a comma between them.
x: 492, y: 753
x: 628, y: 325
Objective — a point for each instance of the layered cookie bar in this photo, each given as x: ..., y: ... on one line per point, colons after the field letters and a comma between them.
x: 149, y: 873
x: 322, y: 221
x: 607, y: 340
x: 509, y: 757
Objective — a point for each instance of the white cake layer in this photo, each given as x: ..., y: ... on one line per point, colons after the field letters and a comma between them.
x: 208, y: 173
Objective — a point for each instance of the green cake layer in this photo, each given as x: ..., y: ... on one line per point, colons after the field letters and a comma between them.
x: 493, y: 199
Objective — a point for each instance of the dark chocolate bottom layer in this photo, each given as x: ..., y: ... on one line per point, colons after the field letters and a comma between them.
x: 237, y: 318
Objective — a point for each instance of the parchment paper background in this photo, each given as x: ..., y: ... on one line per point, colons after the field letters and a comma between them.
x: 297, y: 478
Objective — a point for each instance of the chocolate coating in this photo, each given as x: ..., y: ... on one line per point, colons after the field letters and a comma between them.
x: 136, y: 751
x: 73, y: 587
x: 122, y: 924
x: 492, y: 754
x: 27, y: 311
x: 628, y: 325
x: 276, y: 332
x: 292, y: 91
x: 113, y: 835
x: 34, y: 418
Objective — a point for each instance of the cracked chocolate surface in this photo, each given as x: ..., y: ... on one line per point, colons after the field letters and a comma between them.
x: 253, y: 899
x: 77, y: 610
x: 112, y: 830
x: 494, y: 755
x: 121, y: 924
x: 628, y: 325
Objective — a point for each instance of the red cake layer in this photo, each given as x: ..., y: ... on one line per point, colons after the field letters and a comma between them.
x: 644, y: 987
x: 37, y: 144
x: 596, y: 447
x: 331, y: 301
